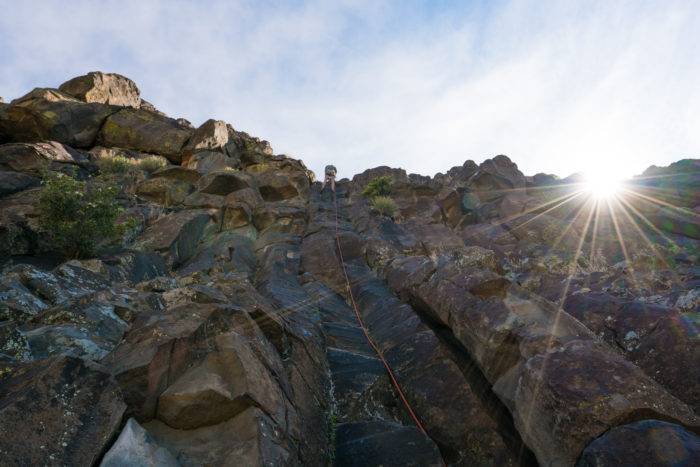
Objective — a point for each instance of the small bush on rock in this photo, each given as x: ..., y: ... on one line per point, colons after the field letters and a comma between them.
x: 77, y: 216
x: 114, y: 164
x: 152, y: 163
x: 384, y: 205
x: 379, y: 186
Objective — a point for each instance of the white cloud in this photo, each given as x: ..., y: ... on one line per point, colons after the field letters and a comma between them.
x: 558, y: 86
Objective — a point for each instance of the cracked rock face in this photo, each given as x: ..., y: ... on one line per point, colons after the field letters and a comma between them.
x: 523, y: 325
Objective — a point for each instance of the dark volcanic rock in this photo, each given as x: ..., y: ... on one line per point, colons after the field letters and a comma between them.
x: 176, y: 234
x: 135, y: 447
x: 57, y: 411
x: 224, y: 182
x: 382, y: 443
x: 648, y: 442
x: 11, y: 182
x: 662, y: 341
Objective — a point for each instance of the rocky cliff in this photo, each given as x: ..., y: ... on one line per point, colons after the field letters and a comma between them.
x: 525, y: 321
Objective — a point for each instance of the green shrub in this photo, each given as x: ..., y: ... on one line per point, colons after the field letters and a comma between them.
x: 384, y: 205
x: 76, y: 215
x: 114, y: 164
x: 379, y: 186
x: 152, y: 163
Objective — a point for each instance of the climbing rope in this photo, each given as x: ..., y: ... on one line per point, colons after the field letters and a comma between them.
x: 378, y: 351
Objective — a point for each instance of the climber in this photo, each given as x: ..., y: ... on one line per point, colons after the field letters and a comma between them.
x: 330, y: 178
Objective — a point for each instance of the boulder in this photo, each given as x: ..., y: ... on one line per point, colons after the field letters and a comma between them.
x: 248, y: 196
x: 176, y: 234
x: 251, y: 438
x: 562, y: 386
x: 359, y: 181
x: 145, y: 132
x: 18, y: 302
x: 85, y: 330
x: 103, y: 88
x: 58, y: 411
x: 248, y: 149
x: 136, y: 447
x: 66, y: 121
x: 43, y: 94
x: 224, y: 182
x: 133, y: 267
x: 19, y: 229
x: 204, y: 200
x: 495, y: 178
x: 280, y: 187
x: 227, y: 252
x: 450, y: 203
x: 212, y: 135
x: 179, y: 173
x: 660, y: 340
x: 32, y: 158
x: 12, y: 182
x: 285, y: 217
x: 591, y: 388
x: 236, y: 215
x: 646, y: 442
x: 230, y: 380
x: 165, y: 191
x: 205, y: 162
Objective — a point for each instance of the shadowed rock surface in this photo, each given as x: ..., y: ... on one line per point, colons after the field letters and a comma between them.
x: 526, y: 322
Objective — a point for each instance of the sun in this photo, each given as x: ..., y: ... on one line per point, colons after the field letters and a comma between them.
x: 602, y: 185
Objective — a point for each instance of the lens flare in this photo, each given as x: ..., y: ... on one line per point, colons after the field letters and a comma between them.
x: 602, y: 186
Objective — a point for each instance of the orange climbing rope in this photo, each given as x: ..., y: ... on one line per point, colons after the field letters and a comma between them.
x: 366, y: 332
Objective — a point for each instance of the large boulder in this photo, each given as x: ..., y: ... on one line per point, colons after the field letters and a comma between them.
x: 212, y: 135
x: 146, y: 132
x: 280, y: 187
x: 251, y: 438
x: 164, y: 191
x: 12, y: 182
x: 32, y: 158
x: 495, y: 178
x: 224, y: 182
x: 662, y: 341
x: 176, y: 235
x: 210, y: 161
x: 646, y: 442
x: 67, y: 121
x: 229, y: 380
x: 58, y: 411
x: 19, y: 229
x: 103, y: 88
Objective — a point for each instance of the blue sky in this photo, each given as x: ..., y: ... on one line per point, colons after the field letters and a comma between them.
x: 559, y: 86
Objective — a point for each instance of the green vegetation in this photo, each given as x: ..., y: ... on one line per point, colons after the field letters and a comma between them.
x: 378, y: 190
x: 117, y: 165
x: 77, y: 216
x: 379, y: 186
x: 152, y: 163
x: 384, y: 205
